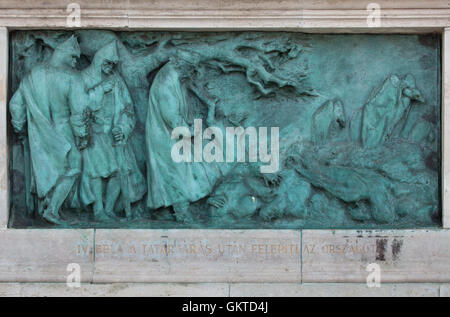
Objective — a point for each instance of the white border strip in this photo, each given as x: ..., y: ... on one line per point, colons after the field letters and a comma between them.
x: 4, y: 179
x: 445, y: 123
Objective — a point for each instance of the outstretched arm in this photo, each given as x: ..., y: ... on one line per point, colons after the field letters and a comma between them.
x: 18, y: 111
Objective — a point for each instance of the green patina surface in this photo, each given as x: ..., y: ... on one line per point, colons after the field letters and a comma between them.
x: 92, y: 114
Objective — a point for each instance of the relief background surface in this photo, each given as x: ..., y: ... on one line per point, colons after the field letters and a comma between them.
x: 336, y: 170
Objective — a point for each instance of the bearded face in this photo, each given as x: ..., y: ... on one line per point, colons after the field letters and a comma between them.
x: 108, y: 67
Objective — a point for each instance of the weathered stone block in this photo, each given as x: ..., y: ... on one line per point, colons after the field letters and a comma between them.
x: 332, y: 289
x: 402, y: 255
x: 44, y: 255
x: 116, y: 290
x: 197, y: 256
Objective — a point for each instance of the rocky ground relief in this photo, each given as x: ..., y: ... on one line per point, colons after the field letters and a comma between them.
x: 224, y: 130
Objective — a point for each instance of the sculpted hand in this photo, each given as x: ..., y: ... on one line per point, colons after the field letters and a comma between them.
x: 117, y: 134
x: 82, y: 143
x: 20, y: 133
x: 108, y: 86
x: 21, y: 136
x: 272, y: 179
x: 217, y: 201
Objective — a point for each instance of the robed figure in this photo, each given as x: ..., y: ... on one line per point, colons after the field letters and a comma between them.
x: 172, y: 183
x: 109, y: 161
x: 48, y: 106
x: 386, y: 110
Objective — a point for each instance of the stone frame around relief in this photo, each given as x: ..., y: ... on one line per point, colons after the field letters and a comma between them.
x: 43, y: 254
x: 18, y: 216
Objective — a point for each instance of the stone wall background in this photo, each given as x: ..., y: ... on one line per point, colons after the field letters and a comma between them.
x: 422, y: 267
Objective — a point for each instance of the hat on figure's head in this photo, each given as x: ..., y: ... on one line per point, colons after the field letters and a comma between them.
x: 108, y: 52
x: 410, y: 81
x: 70, y: 46
x: 412, y: 91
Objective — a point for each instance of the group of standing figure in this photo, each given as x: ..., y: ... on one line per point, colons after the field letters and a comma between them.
x: 77, y: 125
